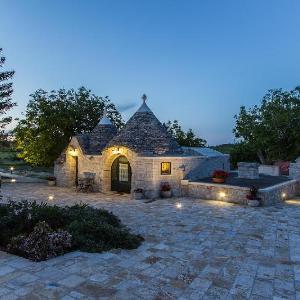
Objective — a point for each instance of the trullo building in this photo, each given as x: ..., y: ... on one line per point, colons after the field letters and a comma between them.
x: 142, y: 155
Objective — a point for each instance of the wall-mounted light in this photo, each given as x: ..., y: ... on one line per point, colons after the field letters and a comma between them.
x: 283, y: 195
x: 73, y: 151
x: 13, y: 180
x: 116, y: 151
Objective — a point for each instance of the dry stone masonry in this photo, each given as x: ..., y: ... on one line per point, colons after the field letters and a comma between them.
x: 248, y: 170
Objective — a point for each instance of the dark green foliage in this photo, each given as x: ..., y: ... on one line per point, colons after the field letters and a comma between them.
x: 92, y: 229
x: 6, y: 91
x: 187, y: 139
x: 238, y: 152
x: 271, y: 129
x: 51, y: 119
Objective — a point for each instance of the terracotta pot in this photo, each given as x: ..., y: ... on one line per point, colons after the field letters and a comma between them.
x: 51, y: 182
x: 218, y: 180
x: 166, y: 194
x: 253, y: 203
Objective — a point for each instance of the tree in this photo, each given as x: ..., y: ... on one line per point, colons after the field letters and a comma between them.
x: 187, y: 139
x: 51, y: 119
x: 272, y: 129
x: 6, y: 91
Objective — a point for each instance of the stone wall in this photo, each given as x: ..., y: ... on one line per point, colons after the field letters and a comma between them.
x: 294, y: 169
x: 146, y: 170
x: 248, y: 170
x: 227, y: 193
x: 271, y: 170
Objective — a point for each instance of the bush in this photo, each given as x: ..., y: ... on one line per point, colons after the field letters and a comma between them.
x: 41, y: 244
x: 40, y: 231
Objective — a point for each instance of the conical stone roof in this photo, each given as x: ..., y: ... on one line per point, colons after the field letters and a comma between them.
x: 144, y: 134
x: 95, y: 141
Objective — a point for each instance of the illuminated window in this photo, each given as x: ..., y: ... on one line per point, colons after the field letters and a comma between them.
x: 165, y: 168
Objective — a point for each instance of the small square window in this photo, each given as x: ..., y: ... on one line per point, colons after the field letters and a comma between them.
x: 165, y: 168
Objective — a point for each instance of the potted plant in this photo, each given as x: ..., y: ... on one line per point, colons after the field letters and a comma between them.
x: 219, y: 176
x: 253, y: 199
x: 51, y: 180
x: 165, y: 190
x: 138, y: 194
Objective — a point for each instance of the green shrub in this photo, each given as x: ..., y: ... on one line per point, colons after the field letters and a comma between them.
x: 91, y: 229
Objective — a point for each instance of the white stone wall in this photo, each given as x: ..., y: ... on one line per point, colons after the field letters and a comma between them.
x: 227, y: 193
x: 270, y: 170
x: 146, y: 171
x: 248, y: 170
x: 294, y: 169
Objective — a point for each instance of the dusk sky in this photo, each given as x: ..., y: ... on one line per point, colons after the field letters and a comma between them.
x: 198, y: 61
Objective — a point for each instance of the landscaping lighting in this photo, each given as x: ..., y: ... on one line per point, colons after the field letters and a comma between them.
x: 178, y: 205
x: 11, y: 169
x: 222, y: 194
x: 13, y: 180
x: 51, y: 197
x: 283, y: 195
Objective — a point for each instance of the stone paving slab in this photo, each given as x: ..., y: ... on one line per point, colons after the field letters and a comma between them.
x: 203, y: 250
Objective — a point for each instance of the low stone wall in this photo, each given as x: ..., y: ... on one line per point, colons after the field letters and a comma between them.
x: 271, y: 170
x: 227, y: 193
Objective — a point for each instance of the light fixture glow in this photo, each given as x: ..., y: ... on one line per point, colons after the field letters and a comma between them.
x: 13, y: 180
x: 178, y: 205
x: 73, y: 151
x: 11, y: 168
x: 283, y: 195
x: 51, y: 197
x: 222, y: 194
x: 116, y: 151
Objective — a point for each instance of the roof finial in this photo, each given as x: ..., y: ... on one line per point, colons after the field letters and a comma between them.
x: 144, y: 97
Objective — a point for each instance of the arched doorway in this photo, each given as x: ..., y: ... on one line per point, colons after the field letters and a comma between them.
x: 121, y: 175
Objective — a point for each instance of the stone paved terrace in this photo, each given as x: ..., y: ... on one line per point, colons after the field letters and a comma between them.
x: 205, y: 250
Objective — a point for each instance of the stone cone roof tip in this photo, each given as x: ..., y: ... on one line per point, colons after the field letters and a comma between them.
x: 105, y: 120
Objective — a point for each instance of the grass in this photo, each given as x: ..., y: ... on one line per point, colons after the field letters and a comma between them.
x: 8, y: 158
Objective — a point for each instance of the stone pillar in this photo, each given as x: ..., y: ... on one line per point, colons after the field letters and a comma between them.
x: 248, y: 170
x: 294, y: 170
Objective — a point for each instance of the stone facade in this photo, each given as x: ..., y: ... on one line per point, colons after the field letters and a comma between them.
x: 146, y: 170
x: 227, y: 193
x: 248, y: 170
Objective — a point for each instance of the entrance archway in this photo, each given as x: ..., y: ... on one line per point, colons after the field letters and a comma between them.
x: 121, y: 175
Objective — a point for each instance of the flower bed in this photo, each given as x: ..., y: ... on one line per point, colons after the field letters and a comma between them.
x: 40, y: 231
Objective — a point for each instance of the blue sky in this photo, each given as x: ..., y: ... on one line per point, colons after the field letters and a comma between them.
x: 198, y: 61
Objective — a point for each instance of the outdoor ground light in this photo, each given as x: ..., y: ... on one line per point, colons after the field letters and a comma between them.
x: 11, y: 169
x: 13, y: 180
x: 178, y: 205
x: 222, y: 194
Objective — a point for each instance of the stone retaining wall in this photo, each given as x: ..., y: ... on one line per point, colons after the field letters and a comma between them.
x: 234, y: 194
